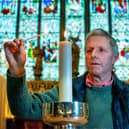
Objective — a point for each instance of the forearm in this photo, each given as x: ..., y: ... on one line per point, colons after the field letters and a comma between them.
x: 24, y: 104
x: 20, y: 100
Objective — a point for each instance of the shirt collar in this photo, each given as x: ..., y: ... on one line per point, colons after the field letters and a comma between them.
x: 90, y: 83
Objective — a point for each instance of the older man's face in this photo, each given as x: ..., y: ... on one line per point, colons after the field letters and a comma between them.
x: 99, y: 56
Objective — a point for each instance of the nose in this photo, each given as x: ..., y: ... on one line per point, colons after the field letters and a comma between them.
x: 94, y: 53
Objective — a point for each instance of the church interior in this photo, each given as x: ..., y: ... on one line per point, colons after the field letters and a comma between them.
x: 43, y: 24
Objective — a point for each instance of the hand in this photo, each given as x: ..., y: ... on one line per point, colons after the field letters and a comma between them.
x: 16, y: 56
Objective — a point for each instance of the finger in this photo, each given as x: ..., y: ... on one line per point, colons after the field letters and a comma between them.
x: 9, y: 56
x: 15, y: 44
x: 5, y: 44
x: 16, y: 41
x: 22, y: 41
x: 22, y: 45
x: 12, y: 44
x: 13, y: 47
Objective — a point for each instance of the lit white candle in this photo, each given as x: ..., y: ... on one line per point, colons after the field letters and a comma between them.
x: 65, y: 71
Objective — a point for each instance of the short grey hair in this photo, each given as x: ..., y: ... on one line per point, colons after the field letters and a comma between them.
x: 101, y: 32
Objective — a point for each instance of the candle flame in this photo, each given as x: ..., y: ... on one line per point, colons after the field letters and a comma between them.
x: 65, y: 34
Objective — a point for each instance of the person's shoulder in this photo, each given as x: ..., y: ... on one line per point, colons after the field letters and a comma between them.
x: 80, y: 77
x: 121, y: 86
x: 125, y: 85
x: 124, y: 91
x: 79, y: 80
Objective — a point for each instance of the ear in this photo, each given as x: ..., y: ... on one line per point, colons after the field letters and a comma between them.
x: 115, y: 58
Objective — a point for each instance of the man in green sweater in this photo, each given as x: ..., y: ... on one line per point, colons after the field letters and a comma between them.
x: 106, y: 95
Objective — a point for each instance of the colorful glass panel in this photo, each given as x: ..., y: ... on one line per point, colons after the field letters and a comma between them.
x: 29, y: 15
x: 120, y: 31
x: 50, y: 27
x: 8, y: 22
x: 99, y: 14
x: 74, y: 29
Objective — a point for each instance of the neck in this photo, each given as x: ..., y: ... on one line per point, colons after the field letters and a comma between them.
x: 100, y: 80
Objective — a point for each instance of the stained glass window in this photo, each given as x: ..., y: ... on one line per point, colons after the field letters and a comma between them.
x: 75, y: 28
x: 43, y: 16
x: 8, y: 22
x: 120, y: 31
x: 50, y: 27
x: 28, y: 27
x: 99, y: 14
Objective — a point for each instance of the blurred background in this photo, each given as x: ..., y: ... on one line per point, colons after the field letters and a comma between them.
x: 58, y: 19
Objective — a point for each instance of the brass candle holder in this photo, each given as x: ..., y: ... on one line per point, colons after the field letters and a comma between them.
x: 65, y: 115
